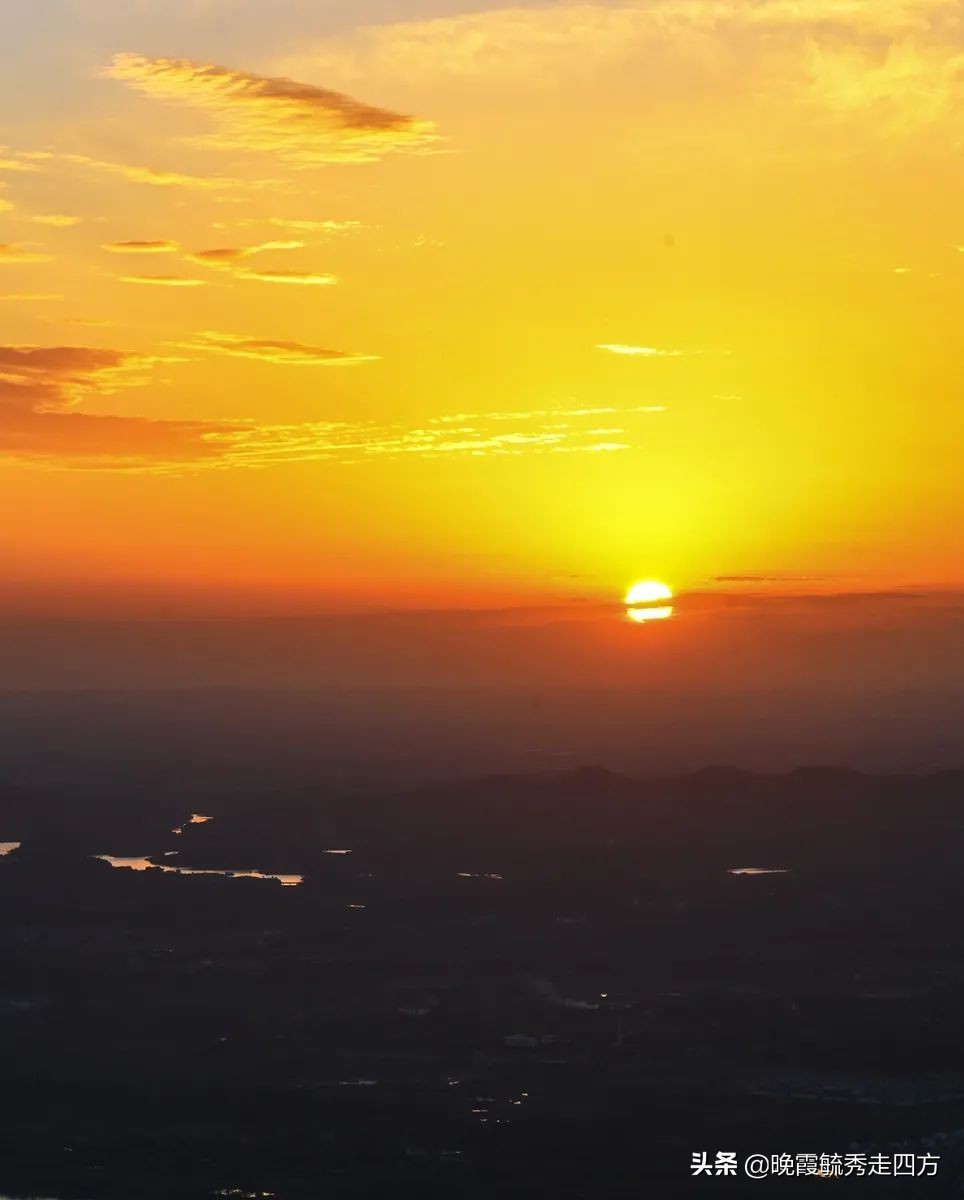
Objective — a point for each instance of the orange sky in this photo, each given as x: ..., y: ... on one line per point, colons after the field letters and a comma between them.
x: 490, y: 306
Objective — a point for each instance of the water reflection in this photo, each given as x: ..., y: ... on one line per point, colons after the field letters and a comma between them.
x: 193, y: 819
x: 758, y: 871
x: 140, y: 863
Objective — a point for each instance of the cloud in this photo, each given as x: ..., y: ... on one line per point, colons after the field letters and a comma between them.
x: 55, y: 220
x: 530, y: 414
x: 290, y: 244
x: 302, y: 123
x: 20, y: 253
x: 638, y: 351
x: 299, y: 225
x: 16, y: 164
x: 228, y: 255
x: 31, y: 296
x: 42, y: 387
x: 62, y: 439
x: 220, y: 256
x: 39, y: 385
x: 148, y: 175
x: 761, y: 578
x: 51, y: 377
x: 504, y: 39
x: 484, y: 437
x: 266, y: 350
x: 307, y: 278
x: 136, y: 247
x: 895, y: 66
x: 165, y: 280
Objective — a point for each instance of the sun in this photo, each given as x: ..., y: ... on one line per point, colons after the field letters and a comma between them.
x: 648, y: 592
x: 646, y: 601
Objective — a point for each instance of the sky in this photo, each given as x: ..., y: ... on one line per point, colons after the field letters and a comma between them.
x: 429, y: 305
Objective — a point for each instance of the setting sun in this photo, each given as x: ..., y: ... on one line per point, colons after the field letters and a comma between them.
x: 648, y: 592
x: 646, y: 602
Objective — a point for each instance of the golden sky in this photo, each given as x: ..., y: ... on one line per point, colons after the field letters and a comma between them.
x: 425, y: 304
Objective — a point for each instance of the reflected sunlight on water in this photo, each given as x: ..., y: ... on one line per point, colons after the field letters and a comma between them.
x: 758, y: 871
x: 193, y: 819
x: 140, y: 863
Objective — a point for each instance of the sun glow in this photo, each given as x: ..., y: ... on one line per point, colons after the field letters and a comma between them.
x: 646, y: 602
x: 169, y: 226
x: 648, y: 592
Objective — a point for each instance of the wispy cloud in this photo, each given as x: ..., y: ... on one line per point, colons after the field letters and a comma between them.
x: 105, y: 442
x: 268, y: 350
x: 533, y: 413
x: 309, y: 226
x: 638, y: 351
x: 307, y: 278
x: 16, y: 164
x: 20, y: 253
x: 42, y: 387
x: 135, y: 173
x: 225, y: 256
x: 220, y: 256
x: 892, y: 65
x: 29, y: 296
x: 137, y: 247
x: 55, y: 220
x: 302, y: 123
x: 485, y: 437
x: 762, y: 578
x: 52, y: 377
x: 165, y: 280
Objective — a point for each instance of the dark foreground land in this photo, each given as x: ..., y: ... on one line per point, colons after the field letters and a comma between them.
x: 546, y: 985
